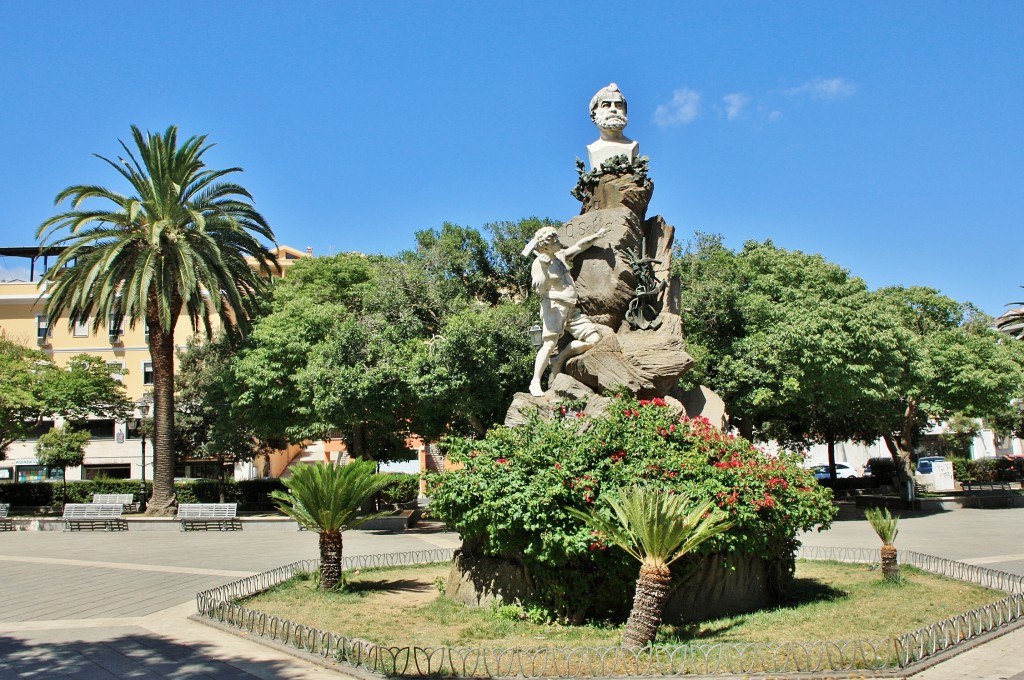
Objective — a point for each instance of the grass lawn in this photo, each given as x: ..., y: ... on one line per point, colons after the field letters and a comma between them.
x: 832, y: 601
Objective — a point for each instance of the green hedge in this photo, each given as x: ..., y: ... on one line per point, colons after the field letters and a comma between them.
x: 250, y: 494
x: 987, y: 470
x: 404, y: 488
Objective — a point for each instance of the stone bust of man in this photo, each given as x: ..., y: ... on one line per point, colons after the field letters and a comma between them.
x: 608, y: 111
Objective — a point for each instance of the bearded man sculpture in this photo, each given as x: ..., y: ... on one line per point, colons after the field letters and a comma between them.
x: 608, y: 111
x: 551, y: 279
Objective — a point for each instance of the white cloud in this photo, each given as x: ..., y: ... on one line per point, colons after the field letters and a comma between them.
x: 824, y: 88
x: 734, y: 104
x: 683, y: 109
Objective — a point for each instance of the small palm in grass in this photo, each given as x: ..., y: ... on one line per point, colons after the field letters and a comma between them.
x: 326, y: 499
x: 656, y: 528
x: 884, y: 525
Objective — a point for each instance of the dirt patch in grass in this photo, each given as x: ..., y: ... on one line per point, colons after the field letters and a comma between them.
x: 831, y: 601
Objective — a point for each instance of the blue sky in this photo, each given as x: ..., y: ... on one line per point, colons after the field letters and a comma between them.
x: 887, y: 136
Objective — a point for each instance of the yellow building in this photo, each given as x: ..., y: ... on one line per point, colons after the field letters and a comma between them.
x: 115, y: 449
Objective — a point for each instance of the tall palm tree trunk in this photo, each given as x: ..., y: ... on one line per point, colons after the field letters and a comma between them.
x: 652, y: 591
x: 161, y: 350
x: 890, y: 566
x: 330, y: 559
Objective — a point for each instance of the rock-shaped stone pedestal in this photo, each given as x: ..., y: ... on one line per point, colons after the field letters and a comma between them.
x: 648, y: 363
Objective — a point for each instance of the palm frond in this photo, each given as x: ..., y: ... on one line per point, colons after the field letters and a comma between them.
x: 655, y: 526
x: 884, y: 524
x: 327, y: 498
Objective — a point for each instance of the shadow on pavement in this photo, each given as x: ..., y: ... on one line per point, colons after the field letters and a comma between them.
x: 141, y: 655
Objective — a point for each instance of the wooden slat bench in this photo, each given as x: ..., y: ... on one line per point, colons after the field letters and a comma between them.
x: 982, y: 487
x: 5, y: 523
x: 988, y: 494
x: 92, y: 516
x: 125, y: 499
x: 195, y: 516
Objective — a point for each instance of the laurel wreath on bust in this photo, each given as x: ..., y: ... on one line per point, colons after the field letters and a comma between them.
x: 616, y: 165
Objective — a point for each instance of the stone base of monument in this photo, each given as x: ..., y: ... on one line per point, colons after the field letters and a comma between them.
x: 720, y: 586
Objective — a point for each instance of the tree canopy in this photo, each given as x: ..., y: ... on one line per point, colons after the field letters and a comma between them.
x: 372, y: 349
x: 803, y: 352
x: 33, y: 388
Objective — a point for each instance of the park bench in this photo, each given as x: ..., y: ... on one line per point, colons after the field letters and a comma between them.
x: 5, y: 523
x: 125, y: 499
x: 92, y: 516
x: 988, y: 494
x: 195, y: 516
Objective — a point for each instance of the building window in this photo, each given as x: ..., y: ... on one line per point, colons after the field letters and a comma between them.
x: 111, y: 471
x: 42, y: 329
x: 97, y: 429
x: 147, y: 372
x: 38, y: 429
x: 116, y: 369
x: 115, y: 328
x: 81, y: 329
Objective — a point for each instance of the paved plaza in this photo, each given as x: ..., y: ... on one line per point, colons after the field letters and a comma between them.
x: 115, y: 605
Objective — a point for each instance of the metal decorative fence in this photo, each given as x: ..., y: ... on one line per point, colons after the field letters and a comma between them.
x: 220, y: 604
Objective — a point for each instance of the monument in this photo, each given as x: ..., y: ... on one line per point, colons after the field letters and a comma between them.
x: 610, y: 313
x: 617, y: 301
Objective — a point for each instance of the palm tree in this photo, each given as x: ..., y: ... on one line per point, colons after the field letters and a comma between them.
x: 326, y: 498
x: 177, y: 244
x: 885, y: 525
x: 656, y: 528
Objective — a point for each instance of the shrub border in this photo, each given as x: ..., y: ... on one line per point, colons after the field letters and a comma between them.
x: 913, y: 650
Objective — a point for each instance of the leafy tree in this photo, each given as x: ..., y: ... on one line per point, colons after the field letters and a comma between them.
x: 207, y: 423
x: 959, y: 435
x: 178, y: 245
x: 32, y: 387
x: 457, y: 260
x: 86, y: 386
x: 21, y: 401
x: 467, y: 374
x: 798, y: 348
x: 655, y: 528
x: 62, y: 447
x: 332, y: 356
x: 511, y: 269
x: 326, y: 498
x: 953, y: 365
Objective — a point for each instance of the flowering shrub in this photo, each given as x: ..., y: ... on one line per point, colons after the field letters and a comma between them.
x: 510, y: 499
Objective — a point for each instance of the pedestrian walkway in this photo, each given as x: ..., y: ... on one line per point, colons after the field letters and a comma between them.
x: 109, y: 606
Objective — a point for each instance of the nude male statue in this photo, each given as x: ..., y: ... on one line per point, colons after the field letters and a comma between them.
x: 551, y: 278
x: 608, y: 111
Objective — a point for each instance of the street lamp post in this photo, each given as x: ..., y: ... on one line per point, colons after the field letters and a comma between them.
x: 144, y: 405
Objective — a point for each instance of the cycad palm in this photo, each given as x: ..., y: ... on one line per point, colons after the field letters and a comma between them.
x: 886, y: 526
x: 326, y: 499
x: 177, y: 244
x: 657, y: 528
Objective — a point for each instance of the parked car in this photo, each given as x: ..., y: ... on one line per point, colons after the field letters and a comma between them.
x: 843, y: 471
x: 924, y: 465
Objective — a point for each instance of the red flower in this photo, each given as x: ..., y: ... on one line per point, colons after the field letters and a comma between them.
x: 501, y: 461
x: 558, y: 466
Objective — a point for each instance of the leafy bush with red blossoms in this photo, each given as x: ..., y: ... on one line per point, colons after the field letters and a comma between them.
x: 511, y: 496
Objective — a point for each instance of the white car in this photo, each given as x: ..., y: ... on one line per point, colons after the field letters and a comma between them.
x: 843, y: 471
